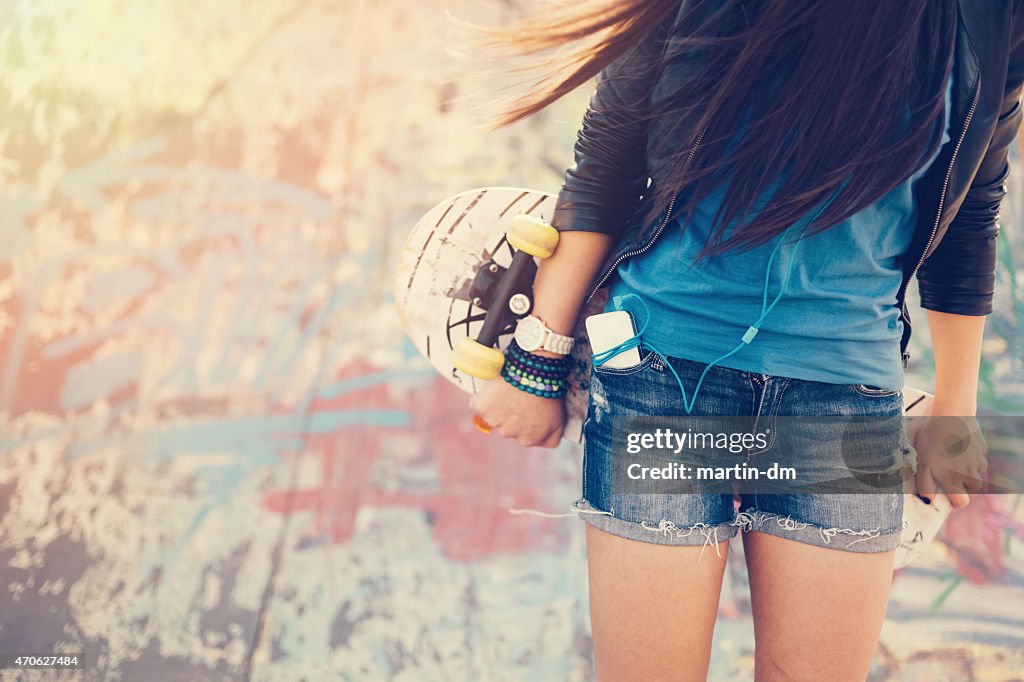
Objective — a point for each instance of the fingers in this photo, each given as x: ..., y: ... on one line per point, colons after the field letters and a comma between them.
x: 532, y: 440
x: 966, y: 471
x: 954, y: 482
x: 549, y: 441
x: 514, y: 429
x: 958, y: 500
x: 974, y: 484
x: 956, y: 490
x: 553, y: 439
x: 927, y: 486
x: 531, y: 424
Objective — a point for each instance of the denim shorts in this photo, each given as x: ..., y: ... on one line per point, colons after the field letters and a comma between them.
x: 854, y: 522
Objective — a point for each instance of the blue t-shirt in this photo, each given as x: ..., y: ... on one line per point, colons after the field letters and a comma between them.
x: 837, y: 320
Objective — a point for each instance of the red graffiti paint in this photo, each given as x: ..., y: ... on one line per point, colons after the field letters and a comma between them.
x: 974, y: 536
x: 463, y: 480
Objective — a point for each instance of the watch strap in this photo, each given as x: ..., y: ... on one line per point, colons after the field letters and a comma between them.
x: 553, y: 341
x: 557, y: 343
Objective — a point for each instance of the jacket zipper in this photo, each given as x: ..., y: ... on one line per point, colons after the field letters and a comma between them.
x: 650, y: 242
x: 942, y: 204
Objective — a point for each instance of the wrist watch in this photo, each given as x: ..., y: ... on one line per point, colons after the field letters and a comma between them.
x: 532, y: 334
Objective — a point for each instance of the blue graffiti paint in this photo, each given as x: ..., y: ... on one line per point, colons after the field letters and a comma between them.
x: 259, y: 439
x: 366, y: 380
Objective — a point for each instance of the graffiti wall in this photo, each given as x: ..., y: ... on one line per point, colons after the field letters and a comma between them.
x: 221, y: 459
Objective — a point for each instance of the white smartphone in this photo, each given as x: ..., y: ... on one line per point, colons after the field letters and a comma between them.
x: 607, y: 330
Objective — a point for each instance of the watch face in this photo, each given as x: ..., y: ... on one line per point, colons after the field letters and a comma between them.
x: 529, y: 333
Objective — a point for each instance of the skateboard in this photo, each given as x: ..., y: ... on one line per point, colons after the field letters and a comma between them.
x: 465, y: 277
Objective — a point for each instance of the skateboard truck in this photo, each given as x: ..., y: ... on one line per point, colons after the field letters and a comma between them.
x: 489, y: 276
x: 507, y: 295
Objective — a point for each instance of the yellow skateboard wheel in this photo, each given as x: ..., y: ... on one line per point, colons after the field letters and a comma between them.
x: 476, y: 359
x: 532, y: 235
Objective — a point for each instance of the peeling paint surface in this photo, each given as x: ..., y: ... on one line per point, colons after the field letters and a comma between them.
x: 220, y: 459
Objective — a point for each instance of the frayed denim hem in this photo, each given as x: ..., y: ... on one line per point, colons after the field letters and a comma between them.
x: 664, y: 532
x: 869, y: 540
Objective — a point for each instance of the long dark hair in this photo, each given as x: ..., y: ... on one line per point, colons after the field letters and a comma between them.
x: 833, y: 101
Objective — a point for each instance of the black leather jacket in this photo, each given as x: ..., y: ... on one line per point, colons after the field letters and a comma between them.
x: 953, y: 251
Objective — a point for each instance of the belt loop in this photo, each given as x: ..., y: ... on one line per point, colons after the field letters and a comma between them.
x: 906, y: 359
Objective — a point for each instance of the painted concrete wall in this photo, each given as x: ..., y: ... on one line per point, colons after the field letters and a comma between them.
x: 220, y: 459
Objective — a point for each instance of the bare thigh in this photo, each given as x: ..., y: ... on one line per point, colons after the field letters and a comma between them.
x: 818, y: 612
x: 652, y: 607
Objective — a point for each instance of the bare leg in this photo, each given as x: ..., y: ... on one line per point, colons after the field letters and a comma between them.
x: 818, y: 612
x: 652, y: 608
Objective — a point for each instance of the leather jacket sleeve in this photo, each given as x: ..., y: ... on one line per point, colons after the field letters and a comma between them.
x: 959, y: 276
x: 601, y: 190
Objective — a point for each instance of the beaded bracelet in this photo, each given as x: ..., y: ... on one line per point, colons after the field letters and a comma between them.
x: 536, y: 374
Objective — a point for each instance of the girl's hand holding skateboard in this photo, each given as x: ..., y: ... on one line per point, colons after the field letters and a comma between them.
x: 952, y: 456
x: 532, y: 420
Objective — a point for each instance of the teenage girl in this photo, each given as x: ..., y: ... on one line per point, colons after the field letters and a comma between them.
x: 814, y: 154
